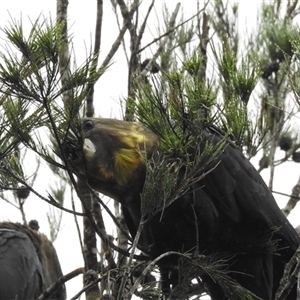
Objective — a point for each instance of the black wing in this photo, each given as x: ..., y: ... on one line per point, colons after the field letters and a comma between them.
x: 241, y: 218
x: 238, y: 192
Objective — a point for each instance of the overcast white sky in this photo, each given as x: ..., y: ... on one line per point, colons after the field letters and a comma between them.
x: 109, y: 91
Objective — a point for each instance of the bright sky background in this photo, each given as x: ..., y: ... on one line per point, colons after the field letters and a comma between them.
x: 109, y: 92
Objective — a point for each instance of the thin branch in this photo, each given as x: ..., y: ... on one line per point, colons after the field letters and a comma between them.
x: 291, y: 8
x: 127, y: 15
x: 60, y: 282
x: 100, y: 223
x: 77, y: 224
x: 134, y: 60
x: 171, y: 28
x: 289, y: 277
x: 86, y: 288
x: 21, y: 208
x: 288, y: 154
x: 293, y: 199
x: 129, y: 263
x: 89, y: 235
x: 9, y: 202
x: 149, y: 267
x: 64, y: 55
x: 103, y: 238
x: 204, y: 39
x: 115, y: 46
x: 143, y: 26
x: 52, y: 202
x: 286, y: 195
x: 98, y: 31
x: 119, y: 27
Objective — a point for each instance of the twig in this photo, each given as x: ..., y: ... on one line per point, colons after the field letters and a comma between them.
x: 64, y: 55
x: 284, y: 194
x: 135, y: 60
x: 116, y: 44
x: 204, y: 38
x: 148, y: 269
x: 111, y: 244
x: 169, y: 31
x: 7, y: 201
x: 98, y: 31
x: 110, y: 214
x: 76, y: 223
x: 52, y: 202
x: 298, y: 231
x: 171, y: 28
x: 134, y: 247
x: 289, y: 277
x: 89, y: 234
x: 114, y: 5
x: 293, y: 199
x: 87, y: 287
x: 100, y: 223
x: 287, y: 155
x: 21, y: 208
x: 49, y: 291
x: 143, y: 26
x: 291, y: 8
x: 127, y: 15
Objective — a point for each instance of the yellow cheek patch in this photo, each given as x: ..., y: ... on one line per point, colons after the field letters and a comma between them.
x: 105, y: 173
x: 133, y: 139
x: 126, y: 162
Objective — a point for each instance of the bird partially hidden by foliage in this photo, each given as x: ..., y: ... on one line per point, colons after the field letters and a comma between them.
x: 223, y: 211
x: 29, y: 264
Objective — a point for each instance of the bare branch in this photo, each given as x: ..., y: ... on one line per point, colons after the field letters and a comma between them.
x: 289, y: 278
x: 150, y: 266
x: 51, y: 201
x: 204, y: 39
x: 114, y: 5
x: 143, y: 26
x: 170, y: 29
x: 86, y: 288
x: 134, y: 247
x: 284, y: 194
x: 98, y: 31
x: 89, y: 235
x: 76, y: 221
x: 116, y: 44
x: 293, y: 199
x: 64, y: 55
x: 59, y: 282
x: 291, y: 9
x: 100, y: 224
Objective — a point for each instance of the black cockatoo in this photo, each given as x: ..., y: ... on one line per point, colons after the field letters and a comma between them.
x: 227, y: 213
x: 28, y: 264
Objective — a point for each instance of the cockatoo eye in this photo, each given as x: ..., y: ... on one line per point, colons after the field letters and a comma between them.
x: 88, y: 124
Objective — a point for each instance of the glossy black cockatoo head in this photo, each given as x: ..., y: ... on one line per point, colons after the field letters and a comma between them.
x: 114, y: 155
